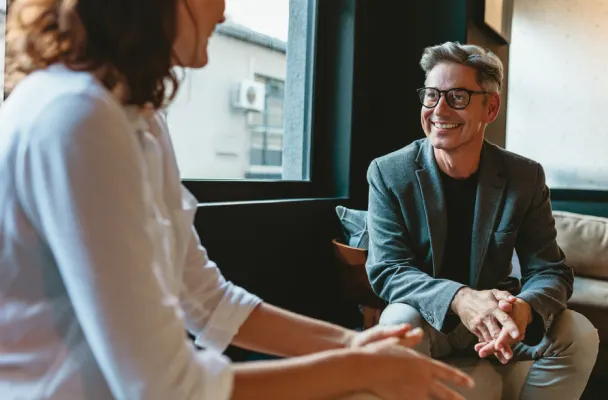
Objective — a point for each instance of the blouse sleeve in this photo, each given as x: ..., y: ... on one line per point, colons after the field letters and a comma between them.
x: 214, y: 308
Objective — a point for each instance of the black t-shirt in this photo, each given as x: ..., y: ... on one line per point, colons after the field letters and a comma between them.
x: 460, y: 196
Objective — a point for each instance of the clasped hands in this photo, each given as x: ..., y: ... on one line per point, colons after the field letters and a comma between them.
x: 496, y: 317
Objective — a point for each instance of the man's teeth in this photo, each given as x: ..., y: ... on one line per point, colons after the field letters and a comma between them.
x: 446, y: 126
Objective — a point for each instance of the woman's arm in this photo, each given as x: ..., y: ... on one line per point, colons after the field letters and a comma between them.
x: 384, y: 368
x: 298, y: 334
x: 324, y: 375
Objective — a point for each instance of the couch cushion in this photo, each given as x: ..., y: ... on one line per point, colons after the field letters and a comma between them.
x: 584, y: 240
x: 589, y: 292
x: 354, y: 225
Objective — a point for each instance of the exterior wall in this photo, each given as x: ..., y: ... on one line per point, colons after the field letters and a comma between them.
x: 212, y: 139
x: 557, y: 91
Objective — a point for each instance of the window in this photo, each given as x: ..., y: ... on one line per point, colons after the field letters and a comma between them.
x: 557, y: 84
x: 228, y: 120
x: 266, y: 153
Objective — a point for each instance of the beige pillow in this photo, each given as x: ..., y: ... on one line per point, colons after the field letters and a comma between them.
x: 584, y: 240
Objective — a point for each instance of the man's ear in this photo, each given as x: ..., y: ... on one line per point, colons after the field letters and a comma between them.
x: 492, y: 107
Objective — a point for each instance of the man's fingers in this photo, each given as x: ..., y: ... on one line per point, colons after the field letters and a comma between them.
x: 507, y: 323
x: 504, y: 354
x: 481, y: 345
x: 505, y: 306
x: 503, y: 295
x: 479, y: 335
x: 503, y: 339
x: 450, y: 374
x: 493, y: 328
x: 442, y: 392
x: 486, y: 350
x: 501, y: 358
x: 507, y: 353
x: 485, y: 334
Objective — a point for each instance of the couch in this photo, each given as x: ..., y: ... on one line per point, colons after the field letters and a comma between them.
x: 584, y: 240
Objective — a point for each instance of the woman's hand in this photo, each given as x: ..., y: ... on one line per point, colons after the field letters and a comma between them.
x: 398, y: 373
x: 407, y: 336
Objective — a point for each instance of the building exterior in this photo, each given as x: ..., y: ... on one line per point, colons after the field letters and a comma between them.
x: 227, y: 119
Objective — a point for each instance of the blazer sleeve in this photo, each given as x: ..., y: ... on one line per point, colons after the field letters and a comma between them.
x: 546, y: 278
x: 392, y: 266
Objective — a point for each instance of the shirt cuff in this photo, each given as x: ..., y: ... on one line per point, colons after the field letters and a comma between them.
x: 230, y: 314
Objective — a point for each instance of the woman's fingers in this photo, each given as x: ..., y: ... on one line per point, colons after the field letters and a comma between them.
x: 448, y: 374
x: 412, y: 338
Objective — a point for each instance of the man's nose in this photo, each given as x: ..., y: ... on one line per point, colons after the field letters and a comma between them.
x: 442, y: 107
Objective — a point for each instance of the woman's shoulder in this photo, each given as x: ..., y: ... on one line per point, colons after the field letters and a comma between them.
x: 58, y: 86
x: 58, y: 97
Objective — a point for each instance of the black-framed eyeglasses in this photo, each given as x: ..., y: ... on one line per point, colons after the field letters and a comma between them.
x: 457, y: 98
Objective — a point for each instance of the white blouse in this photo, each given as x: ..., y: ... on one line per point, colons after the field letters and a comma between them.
x: 100, y: 267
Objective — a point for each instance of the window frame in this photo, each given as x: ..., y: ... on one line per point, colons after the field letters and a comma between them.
x: 327, y: 108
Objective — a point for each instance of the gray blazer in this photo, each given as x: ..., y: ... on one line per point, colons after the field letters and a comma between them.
x: 407, y: 232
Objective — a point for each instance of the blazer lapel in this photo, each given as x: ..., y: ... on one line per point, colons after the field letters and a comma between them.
x: 433, y: 201
x: 490, y: 190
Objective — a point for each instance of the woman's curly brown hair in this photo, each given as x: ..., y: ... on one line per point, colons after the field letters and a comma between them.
x: 127, y: 44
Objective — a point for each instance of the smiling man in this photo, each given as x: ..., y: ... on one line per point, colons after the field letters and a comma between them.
x: 445, y: 216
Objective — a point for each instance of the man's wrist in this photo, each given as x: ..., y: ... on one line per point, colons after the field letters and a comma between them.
x: 529, y: 310
x: 458, y: 297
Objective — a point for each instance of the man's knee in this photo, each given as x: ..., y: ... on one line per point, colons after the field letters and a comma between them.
x: 574, y: 333
x: 399, y: 313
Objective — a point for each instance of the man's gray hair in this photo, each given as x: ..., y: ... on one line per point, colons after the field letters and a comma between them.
x: 489, y: 68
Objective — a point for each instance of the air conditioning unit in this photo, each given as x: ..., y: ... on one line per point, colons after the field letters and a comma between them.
x: 250, y: 95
